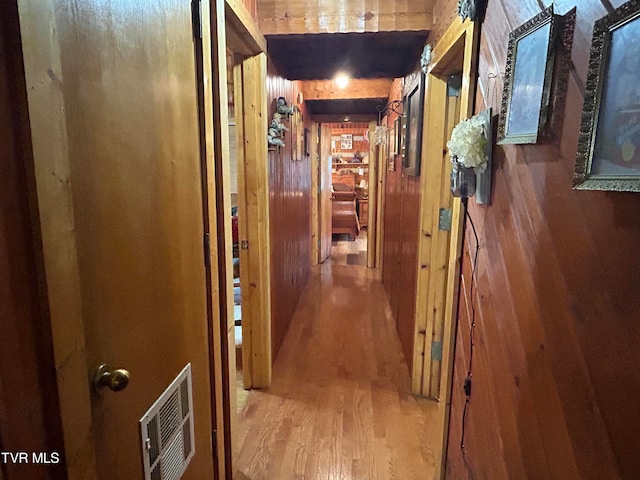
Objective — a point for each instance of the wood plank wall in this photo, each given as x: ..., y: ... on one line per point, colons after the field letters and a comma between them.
x: 556, y: 361
x: 27, y: 372
x: 401, y: 216
x: 356, y: 130
x: 290, y: 204
x: 252, y: 6
x: 298, y: 16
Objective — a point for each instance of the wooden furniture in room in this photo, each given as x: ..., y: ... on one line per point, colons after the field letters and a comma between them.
x: 344, y: 217
x: 363, y: 211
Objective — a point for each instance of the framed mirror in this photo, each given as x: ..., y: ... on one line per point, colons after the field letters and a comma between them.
x: 528, y: 76
x: 608, y: 155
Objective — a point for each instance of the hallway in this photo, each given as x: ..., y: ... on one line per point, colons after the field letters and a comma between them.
x: 339, y: 406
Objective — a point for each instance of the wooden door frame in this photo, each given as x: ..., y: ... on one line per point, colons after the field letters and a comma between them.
x: 321, y: 162
x: 372, y: 220
x: 439, y: 252
x: 228, y: 21
x: 316, y: 164
x: 253, y: 207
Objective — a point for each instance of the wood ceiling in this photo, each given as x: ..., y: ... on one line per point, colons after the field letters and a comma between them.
x: 362, y: 55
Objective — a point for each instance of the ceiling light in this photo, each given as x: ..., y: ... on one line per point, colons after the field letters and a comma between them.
x: 342, y: 80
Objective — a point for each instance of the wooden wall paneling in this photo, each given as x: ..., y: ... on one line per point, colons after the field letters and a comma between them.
x: 556, y: 372
x: 391, y: 251
x: 27, y: 365
x: 408, y: 258
x: 392, y: 247
x: 255, y: 261
x: 289, y: 206
x: 252, y: 8
x: 587, y: 12
x: 296, y: 16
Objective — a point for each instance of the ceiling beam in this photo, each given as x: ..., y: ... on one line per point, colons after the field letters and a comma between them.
x: 344, y: 16
x: 357, y: 88
x: 334, y: 118
x: 243, y: 35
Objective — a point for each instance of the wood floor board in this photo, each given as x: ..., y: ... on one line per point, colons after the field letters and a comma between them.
x: 339, y: 405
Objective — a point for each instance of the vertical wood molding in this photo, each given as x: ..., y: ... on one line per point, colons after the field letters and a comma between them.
x: 372, y: 225
x: 325, y: 194
x: 430, y: 235
x: 314, y: 158
x: 439, y: 252
x: 381, y: 197
x: 471, y: 33
x: 220, y: 203
x: 255, y: 262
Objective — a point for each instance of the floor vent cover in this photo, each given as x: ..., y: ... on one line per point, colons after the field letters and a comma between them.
x: 167, y: 431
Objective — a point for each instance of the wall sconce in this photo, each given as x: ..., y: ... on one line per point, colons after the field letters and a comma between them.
x: 394, y: 106
x: 470, y: 147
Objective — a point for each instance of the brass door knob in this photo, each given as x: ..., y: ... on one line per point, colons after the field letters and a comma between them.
x: 116, y: 380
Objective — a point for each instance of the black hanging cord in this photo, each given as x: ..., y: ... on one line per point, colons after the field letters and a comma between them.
x: 467, y: 380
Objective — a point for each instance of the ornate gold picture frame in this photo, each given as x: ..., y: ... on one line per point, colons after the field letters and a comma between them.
x: 608, y: 155
x: 528, y: 79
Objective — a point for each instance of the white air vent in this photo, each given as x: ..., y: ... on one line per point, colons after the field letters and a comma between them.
x: 167, y: 431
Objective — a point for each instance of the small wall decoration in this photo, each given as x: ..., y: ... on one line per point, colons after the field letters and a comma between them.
x: 608, y: 156
x: 471, y: 9
x: 346, y: 141
x: 275, y: 134
x: 414, y: 103
x: 528, y: 75
x: 393, y: 139
x: 425, y: 59
x: 470, y: 148
x: 283, y: 109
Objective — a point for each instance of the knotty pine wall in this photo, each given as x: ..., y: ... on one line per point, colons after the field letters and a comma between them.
x: 556, y: 361
x: 289, y: 207
x: 252, y: 7
x: 401, y: 217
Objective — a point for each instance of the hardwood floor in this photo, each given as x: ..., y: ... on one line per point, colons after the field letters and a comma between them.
x: 348, y: 252
x: 339, y: 406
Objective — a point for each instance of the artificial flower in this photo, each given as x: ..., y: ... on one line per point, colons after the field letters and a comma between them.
x: 467, y: 144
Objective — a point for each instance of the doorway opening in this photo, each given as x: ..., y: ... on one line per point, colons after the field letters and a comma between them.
x: 349, y: 166
x: 346, y: 223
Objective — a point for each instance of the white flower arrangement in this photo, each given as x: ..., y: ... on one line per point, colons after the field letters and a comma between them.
x: 468, y: 142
